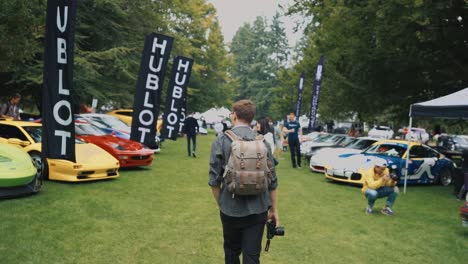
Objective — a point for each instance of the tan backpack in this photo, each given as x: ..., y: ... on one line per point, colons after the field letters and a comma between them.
x: 248, y: 171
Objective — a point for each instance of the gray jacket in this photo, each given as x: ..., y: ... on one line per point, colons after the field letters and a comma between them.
x: 237, y: 206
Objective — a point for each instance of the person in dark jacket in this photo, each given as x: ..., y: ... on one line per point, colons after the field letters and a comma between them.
x: 191, y: 129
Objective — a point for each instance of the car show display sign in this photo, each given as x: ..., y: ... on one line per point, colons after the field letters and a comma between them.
x: 147, y: 99
x: 58, y: 133
x: 316, y: 93
x: 299, y: 95
x: 174, y: 113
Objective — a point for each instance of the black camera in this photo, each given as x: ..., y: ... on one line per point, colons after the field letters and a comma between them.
x: 394, y: 177
x: 272, y: 230
x: 393, y: 174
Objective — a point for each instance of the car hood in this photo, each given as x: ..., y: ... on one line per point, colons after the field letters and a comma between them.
x: 326, y: 155
x: 92, y: 154
x: 110, y: 140
x: 13, y: 159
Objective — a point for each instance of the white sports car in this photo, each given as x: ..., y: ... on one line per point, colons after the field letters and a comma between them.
x: 325, y: 155
x: 381, y: 132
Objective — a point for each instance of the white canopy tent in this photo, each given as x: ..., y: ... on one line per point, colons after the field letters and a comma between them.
x: 215, y: 115
x: 452, y: 106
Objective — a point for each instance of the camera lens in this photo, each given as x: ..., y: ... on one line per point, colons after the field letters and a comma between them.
x: 279, y: 231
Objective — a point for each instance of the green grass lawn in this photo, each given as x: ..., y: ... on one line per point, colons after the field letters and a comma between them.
x: 166, y: 214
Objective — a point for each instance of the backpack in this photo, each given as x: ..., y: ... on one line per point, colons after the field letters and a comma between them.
x: 248, y: 170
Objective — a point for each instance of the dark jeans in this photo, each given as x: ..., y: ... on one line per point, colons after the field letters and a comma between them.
x: 243, y: 234
x: 194, y: 144
x: 386, y: 191
x: 295, y: 149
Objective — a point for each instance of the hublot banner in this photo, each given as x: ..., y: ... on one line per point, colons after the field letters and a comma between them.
x: 149, y: 86
x: 58, y: 132
x: 174, y: 113
x: 316, y: 93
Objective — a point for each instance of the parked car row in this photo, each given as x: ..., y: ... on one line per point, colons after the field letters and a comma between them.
x: 345, y: 164
x: 102, y: 146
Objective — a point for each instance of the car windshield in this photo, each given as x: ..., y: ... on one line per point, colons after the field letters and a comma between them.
x: 322, y: 138
x: 114, y: 122
x: 35, y: 132
x: 87, y: 129
x: 335, y: 139
x: 393, y: 150
x: 360, y: 144
x: 460, y: 140
x: 346, y: 141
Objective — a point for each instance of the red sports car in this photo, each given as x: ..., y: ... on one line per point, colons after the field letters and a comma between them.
x: 128, y: 152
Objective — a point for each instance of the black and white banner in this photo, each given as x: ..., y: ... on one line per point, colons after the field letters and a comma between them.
x: 58, y: 128
x: 176, y: 100
x: 299, y: 95
x: 149, y: 86
x: 316, y: 93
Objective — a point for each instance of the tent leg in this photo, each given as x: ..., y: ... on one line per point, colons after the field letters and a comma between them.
x: 408, y: 153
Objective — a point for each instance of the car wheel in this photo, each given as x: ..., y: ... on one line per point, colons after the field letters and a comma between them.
x: 445, y: 177
x: 36, y: 184
x: 41, y: 166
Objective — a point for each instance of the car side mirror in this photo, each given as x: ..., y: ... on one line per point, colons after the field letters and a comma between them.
x: 17, y: 141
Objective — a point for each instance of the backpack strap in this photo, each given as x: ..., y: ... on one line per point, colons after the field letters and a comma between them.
x: 232, y: 136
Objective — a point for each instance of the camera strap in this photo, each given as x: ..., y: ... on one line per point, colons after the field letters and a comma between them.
x: 267, y: 246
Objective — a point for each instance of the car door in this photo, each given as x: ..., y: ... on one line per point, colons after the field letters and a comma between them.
x: 422, y: 162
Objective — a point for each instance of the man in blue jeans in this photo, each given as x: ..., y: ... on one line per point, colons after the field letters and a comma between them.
x: 378, y: 184
x: 293, y: 129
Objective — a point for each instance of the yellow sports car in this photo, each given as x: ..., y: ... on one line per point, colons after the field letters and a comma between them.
x: 123, y: 114
x: 92, y: 162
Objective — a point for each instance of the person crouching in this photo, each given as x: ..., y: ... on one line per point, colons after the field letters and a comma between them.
x: 378, y: 184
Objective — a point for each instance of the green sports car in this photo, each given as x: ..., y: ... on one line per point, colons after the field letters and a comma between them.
x: 18, y: 175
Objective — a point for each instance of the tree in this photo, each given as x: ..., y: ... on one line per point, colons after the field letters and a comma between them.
x: 259, y: 52
x: 392, y: 53
x: 109, y: 40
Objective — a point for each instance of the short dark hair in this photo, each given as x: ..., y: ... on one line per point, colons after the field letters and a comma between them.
x: 245, y: 110
x: 16, y: 95
x: 264, y: 126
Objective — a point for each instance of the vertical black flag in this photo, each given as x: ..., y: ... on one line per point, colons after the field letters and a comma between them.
x: 176, y: 97
x: 148, y: 91
x: 58, y: 131
x: 316, y: 93
x: 299, y: 95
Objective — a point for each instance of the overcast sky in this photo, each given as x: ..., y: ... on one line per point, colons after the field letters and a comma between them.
x: 234, y: 13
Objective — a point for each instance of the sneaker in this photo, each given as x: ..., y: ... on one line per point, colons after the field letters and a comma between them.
x: 369, y: 210
x: 299, y: 166
x: 387, y: 211
x: 193, y: 154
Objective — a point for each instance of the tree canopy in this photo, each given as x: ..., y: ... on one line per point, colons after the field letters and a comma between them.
x: 383, y: 56
x: 109, y: 40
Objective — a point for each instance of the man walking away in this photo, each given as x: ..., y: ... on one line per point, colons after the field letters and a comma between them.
x: 293, y: 129
x: 243, y: 216
x: 191, y: 131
